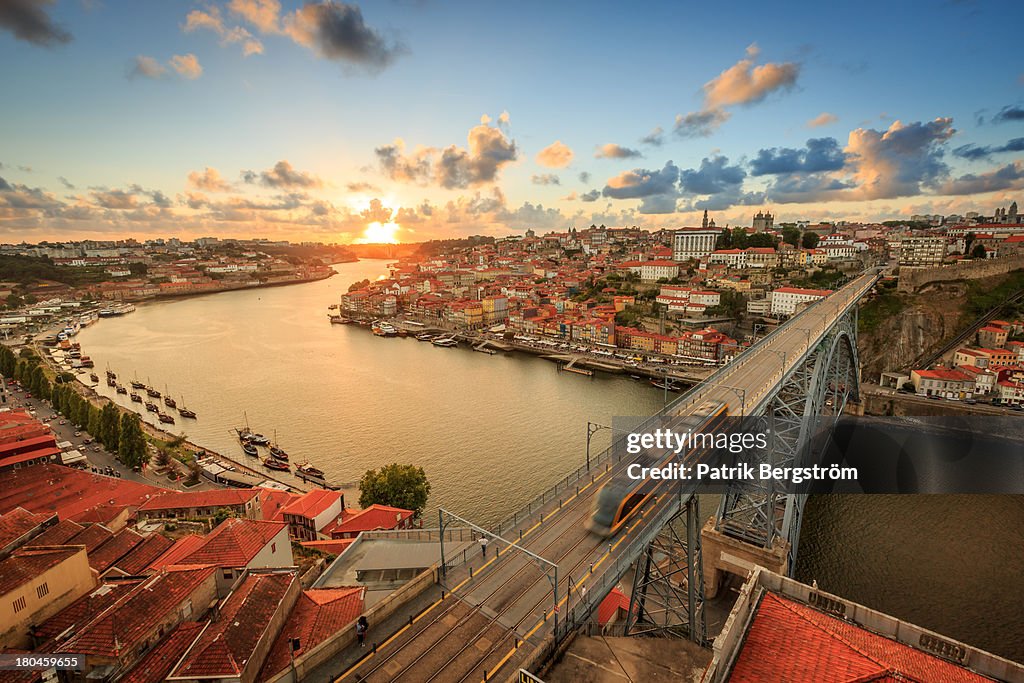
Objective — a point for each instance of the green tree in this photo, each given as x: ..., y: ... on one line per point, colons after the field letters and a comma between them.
x: 979, y: 251
x: 791, y: 235
x: 809, y: 240
x: 724, y: 240
x: 110, y: 426
x: 94, y: 424
x: 402, y: 486
x: 131, y: 445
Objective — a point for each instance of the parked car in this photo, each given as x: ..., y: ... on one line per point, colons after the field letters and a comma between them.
x: 78, y: 433
x: 87, y: 442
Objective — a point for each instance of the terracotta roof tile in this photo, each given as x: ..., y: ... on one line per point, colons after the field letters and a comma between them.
x: 227, y: 644
x: 235, y: 542
x: 142, y: 555
x: 92, y: 537
x: 15, y: 524
x: 370, y: 519
x: 28, y: 563
x: 58, y: 534
x: 157, y: 664
x: 318, y: 614
x: 67, y: 491
x: 181, y: 549
x: 113, y: 550
x: 83, y: 610
x: 791, y: 642
x: 199, y: 499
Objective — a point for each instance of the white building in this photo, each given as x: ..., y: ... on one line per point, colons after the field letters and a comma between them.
x: 693, y: 243
x: 787, y: 300
x: 922, y: 251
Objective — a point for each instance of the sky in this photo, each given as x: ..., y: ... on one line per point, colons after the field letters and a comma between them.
x: 406, y: 120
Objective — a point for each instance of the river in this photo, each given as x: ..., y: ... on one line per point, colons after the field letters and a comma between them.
x: 493, y: 431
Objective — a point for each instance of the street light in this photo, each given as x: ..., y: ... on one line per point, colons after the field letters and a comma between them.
x: 593, y: 428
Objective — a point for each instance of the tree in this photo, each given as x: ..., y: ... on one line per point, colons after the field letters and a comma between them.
x: 110, y: 426
x: 979, y: 251
x: 809, y: 240
x: 791, y: 235
x: 724, y: 240
x: 94, y: 425
x: 402, y: 486
x: 131, y: 445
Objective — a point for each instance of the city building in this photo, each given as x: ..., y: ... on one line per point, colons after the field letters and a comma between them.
x: 693, y: 243
x: 922, y: 251
x: 763, y: 221
x: 197, y: 504
x: 788, y: 300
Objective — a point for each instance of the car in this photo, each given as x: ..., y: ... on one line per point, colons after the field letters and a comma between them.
x: 1018, y: 407
x: 970, y: 401
x: 87, y: 442
x: 935, y: 397
x: 28, y: 395
x: 63, y: 422
x: 78, y: 433
x: 96, y: 449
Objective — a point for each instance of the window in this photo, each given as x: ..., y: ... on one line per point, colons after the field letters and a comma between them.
x: 228, y: 574
x: 273, y: 548
x: 19, y: 605
x: 42, y: 589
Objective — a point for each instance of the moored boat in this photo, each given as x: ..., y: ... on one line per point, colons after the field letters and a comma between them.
x: 445, y: 342
x: 185, y: 412
x: 272, y: 464
x: 152, y: 393
x: 94, y: 377
x: 662, y: 384
x: 136, y: 398
x: 170, y: 402
x: 151, y: 407
x: 121, y: 390
x: 307, y: 469
x: 111, y: 383
x: 424, y: 336
x: 164, y: 417
x: 278, y: 454
x: 249, y: 449
x: 136, y: 384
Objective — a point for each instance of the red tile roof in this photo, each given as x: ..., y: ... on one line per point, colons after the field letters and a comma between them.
x: 28, y: 563
x: 272, y: 502
x: 67, y: 491
x: 318, y: 614
x: 85, y: 609
x: 142, y: 555
x: 182, y: 548
x: 123, y: 625
x: 157, y: 664
x: 92, y: 537
x: 312, y: 503
x: 58, y: 534
x: 227, y: 644
x: 372, y: 518
x: 113, y: 550
x: 235, y: 542
x: 613, y: 602
x: 792, y: 642
x: 200, y: 499
x: 17, y: 523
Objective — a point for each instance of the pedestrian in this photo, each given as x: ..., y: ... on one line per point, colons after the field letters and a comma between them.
x: 362, y: 626
x: 483, y: 546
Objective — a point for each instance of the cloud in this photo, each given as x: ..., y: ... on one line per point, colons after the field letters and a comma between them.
x: 641, y: 182
x: 820, y: 154
x: 584, y: 177
x: 147, y: 67
x: 377, y: 212
x: 545, y: 179
x: 897, y: 162
x: 974, y: 152
x: 213, y: 20
x: 336, y: 30
x: 65, y: 182
x: 29, y: 21
x: 657, y: 204
x: 822, y: 119
x: 743, y: 83
x: 187, y: 66
x: 613, y: 151
x: 283, y: 174
x: 714, y: 176
x: 209, y: 180
x: 700, y: 124
x: 1009, y: 113
x: 263, y: 14
x: 1008, y: 177
x: 487, y: 151
x: 362, y: 187
x: 555, y: 155
x: 656, y: 137
x: 591, y: 196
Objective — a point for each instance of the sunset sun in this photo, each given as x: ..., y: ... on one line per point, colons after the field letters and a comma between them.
x: 379, y: 233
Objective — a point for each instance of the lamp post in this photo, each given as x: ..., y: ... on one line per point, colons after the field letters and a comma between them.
x: 593, y: 428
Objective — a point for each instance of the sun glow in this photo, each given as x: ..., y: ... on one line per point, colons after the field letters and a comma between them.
x: 379, y: 233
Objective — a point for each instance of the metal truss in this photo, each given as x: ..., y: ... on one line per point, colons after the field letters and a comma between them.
x: 668, y: 586
x: 800, y: 417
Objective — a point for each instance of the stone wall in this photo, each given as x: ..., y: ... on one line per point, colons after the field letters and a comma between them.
x: 912, y: 278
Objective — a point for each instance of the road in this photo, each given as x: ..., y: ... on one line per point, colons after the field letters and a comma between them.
x: 499, y: 610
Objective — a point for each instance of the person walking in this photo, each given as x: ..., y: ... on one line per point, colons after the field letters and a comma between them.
x: 483, y: 546
x: 362, y: 626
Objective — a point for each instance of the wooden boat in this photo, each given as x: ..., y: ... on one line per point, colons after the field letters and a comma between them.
x: 272, y: 464
x: 164, y: 417
x: 136, y: 398
x: 121, y: 390
x: 249, y: 449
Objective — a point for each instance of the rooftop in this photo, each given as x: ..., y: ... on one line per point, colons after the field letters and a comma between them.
x: 157, y: 664
x: 18, y: 523
x: 28, y: 563
x: 172, y: 500
x: 83, y: 610
x: 235, y: 542
x: 142, y: 555
x: 228, y: 643
x: 68, y: 491
x: 312, y: 503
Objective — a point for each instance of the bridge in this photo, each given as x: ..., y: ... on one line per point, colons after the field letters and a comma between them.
x: 542, y: 574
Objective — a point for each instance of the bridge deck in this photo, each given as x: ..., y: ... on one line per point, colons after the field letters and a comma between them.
x: 504, y: 600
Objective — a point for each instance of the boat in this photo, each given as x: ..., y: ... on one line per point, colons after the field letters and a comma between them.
x: 445, y: 342
x: 339, y: 320
x: 249, y: 449
x: 258, y: 439
x: 111, y: 375
x: 164, y: 417
x: 152, y: 393
x: 272, y: 464
x: 111, y: 383
x: 87, y: 362
x: 424, y: 336
x: 332, y: 307
x: 93, y: 377
x: 136, y: 398
x: 309, y: 470
x: 278, y: 454
x: 170, y: 402
x: 151, y: 407
x: 121, y: 390
x: 185, y: 412
x: 136, y: 384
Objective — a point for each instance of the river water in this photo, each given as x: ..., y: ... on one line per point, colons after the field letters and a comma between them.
x: 493, y: 431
